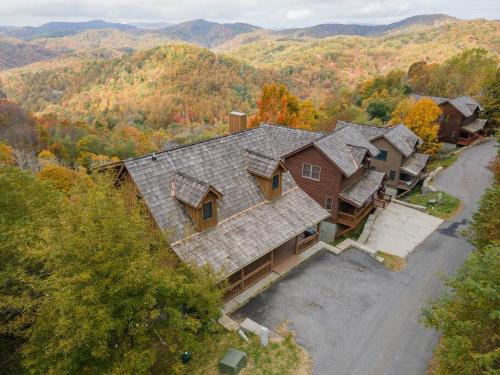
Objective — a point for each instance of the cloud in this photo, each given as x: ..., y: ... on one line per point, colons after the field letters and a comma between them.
x: 275, y: 13
x: 299, y: 14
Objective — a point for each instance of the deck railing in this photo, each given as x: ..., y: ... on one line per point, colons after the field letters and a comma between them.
x: 247, y: 281
x: 306, y: 242
x: 352, y: 220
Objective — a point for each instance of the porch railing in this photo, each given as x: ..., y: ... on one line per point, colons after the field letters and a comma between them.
x: 306, y: 242
x: 248, y: 280
x: 352, y: 220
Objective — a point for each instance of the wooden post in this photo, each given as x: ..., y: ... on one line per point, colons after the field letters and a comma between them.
x: 296, y: 244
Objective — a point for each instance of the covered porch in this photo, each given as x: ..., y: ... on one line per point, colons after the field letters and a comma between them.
x: 411, y: 172
x: 471, y: 132
x: 278, y: 260
x: 360, y: 199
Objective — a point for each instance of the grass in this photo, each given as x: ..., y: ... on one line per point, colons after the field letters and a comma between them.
x: 439, y: 203
x: 393, y: 262
x: 441, y: 161
x: 281, y: 356
x: 353, y: 234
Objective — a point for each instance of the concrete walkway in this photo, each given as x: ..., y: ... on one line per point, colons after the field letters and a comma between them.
x: 399, y: 229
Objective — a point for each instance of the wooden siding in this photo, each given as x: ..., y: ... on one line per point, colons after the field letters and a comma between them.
x: 329, y: 184
x: 450, y: 124
x: 266, y: 185
x: 392, y: 163
x: 197, y: 213
x: 348, y: 181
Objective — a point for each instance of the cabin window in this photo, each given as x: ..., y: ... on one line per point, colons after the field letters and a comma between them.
x: 392, y: 175
x: 276, y: 181
x: 207, y: 211
x: 312, y: 172
x: 328, y: 203
x: 382, y: 155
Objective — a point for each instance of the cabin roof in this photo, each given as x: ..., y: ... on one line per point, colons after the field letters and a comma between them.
x: 261, y: 165
x: 359, y: 192
x: 415, y: 163
x: 464, y: 104
x: 402, y: 138
x: 240, y: 239
x: 346, y: 148
x: 184, y: 174
x: 475, y: 126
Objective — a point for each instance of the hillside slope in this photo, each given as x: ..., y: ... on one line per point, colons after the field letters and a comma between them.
x: 14, y: 53
x: 320, y: 65
x: 155, y: 87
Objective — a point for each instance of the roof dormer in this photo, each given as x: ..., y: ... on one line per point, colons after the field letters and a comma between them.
x: 268, y: 171
x: 199, y: 198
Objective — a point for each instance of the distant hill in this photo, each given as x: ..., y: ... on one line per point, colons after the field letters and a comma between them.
x: 58, y: 29
x: 332, y: 29
x: 151, y: 25
x: 15, y: 53
x: 206, y: 33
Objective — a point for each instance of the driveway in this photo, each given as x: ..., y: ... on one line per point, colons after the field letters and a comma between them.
x: 399, y: 229
x: 356, y: 317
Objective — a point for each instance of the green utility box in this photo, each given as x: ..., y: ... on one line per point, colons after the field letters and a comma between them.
x: 233, y: 361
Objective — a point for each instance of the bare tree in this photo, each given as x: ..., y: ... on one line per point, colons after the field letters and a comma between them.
x: 26, y: 160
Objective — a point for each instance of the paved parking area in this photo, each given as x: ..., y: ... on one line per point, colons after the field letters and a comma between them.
x: 399, y: 229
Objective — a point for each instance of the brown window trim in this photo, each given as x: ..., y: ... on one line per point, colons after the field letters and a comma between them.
x: 310, y: 176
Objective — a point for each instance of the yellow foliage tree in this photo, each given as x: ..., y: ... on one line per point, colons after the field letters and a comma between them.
x: 6, y: 154
x: 63, y: 178
x: 422, y: 118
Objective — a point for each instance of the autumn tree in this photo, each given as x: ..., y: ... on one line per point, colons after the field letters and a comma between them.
x: 117, y: 303
x: 62, y: 178
x: 277, y: 105
x: 422, y: 117
x: 26, y: 206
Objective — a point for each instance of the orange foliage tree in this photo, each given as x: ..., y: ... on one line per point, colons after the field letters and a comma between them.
x: 277, y: 105
x: 422, y: 118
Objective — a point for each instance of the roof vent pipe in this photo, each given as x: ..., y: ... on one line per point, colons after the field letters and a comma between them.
x: 153, y: 157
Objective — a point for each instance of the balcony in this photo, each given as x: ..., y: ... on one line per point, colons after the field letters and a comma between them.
x: 353, y: 219
x: 465, y: 141
x: 407, y: 185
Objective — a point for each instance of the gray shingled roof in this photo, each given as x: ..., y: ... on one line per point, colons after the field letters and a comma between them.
x: 220, y: 163
x: 239, y: 240
x: 189, y: 189
x: 475, y: 126
x: 402, y: 138
x: 359, y: 192
x: 415, y: 163
x: 465, y: 104
x: 346, y: 148
x: 260, y: 164
x: 436, y: 99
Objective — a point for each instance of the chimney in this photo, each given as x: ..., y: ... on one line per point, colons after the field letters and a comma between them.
x: 237, y: 122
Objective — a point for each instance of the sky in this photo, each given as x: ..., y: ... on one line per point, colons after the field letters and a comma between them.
x: 264, y: 13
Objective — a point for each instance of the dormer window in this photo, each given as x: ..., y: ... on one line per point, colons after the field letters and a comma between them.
x: 268, y: 172
x: 207, y: 210
x: 276, y: 181
x: 199, y: 198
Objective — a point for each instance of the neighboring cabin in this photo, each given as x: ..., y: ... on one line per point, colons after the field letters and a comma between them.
x: 333, y: 169
x: 229, y: 202
x: 460, y: 122
x: 398, y: 157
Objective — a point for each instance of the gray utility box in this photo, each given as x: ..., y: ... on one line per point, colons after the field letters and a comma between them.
x: 232, y: 362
